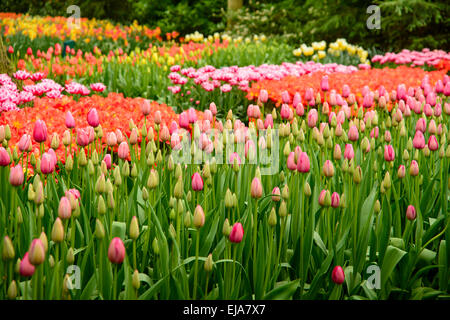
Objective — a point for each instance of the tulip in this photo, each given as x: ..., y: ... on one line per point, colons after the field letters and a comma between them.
x: 24, y: 143
x: 313, y: 116
x: 401, y: 171
x: 58, y: 231
x: 303, y: 164
x: 348, y: 152
x: 65, y: 208
x: 414, y: 168
x: 16, y: 176
x: 82, y: 137
x: 328, y: 169
x: 237, y: 233
x: 419, y: 140
x: 26, y: 268
x: 199, y: 217
x: 325, y: 198
x: 411, y: 213
x: 4, y: 157
x: 116, y: 251
x: 107, y: 160
x: 276, y: 194
x: 197, y: 182
x: 47, y: 163
x: 263, y: 96
x: 335, y: 200
x: 92, y: 118
x: 256, y: 189
x: 433, y: 144
x: 324, y: 85
x: 183, y: 120
x: 36, y: 252
x: 70, y: 121
x: 353, y: 134
x: 338, y: 275
x: 145, y: 107
x: 389, y: 154
x: 40, y: 131
x: 124, y: 150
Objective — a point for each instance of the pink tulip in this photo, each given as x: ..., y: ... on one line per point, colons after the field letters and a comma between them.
x: 276, y: 194
x: 313, y: 116
x: 157, y: 117
x: 82, y: 137
x: 324, y: 85
x: 64, y: 209
x: 111, y: 139
x: 145, y: 107
x: 4, y: 157
x: 24, y: 142
x: 353, y: 134
x: 269, y: 121
x: 297, y: 100
x: 116, y: 251
x: 291, y: 165
x: 70, y: 121
x: 26, y: 268
x: 303, y: 164
x: 335, y: 199
x: 192, y: 116
x: 419, y: 140
x: 338, y: 275
x: 237, y: 233
x: 345, y: 91
x: 411, y: 213
x: 123, y: 151
x: 233, y: 156
x: 16, y: 176
x: 328, y: 169
x: 433, y: 144
x: 107, y: 160
x: 197, y: 182
x: 285, y: 97
x: 348, y: 152
x: 40, y: 131
x: 263, y: 96
x: 92, y: 118
x: 256, y: 188
x: 285, y: 111
x: 421, y: 125
x: 36, y: 253
x: 401, y: 171
x: 389, y: 153
x: 213, y: 108
x: 47, y: 163
x: 183, y: 120
x: 414, y: 168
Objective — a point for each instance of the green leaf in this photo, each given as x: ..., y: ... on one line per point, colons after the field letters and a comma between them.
x: 282, y: 292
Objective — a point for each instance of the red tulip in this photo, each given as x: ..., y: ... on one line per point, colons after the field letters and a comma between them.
x: 338, y: 275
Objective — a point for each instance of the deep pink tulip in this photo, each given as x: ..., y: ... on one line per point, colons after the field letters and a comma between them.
x: 5, y: 160
x: 285, y: 111
x: 411, y: 213
x: 324, y: 85
x: 338, y: 275
x: 116, y: 251
x: 237, y: 233
x: 291, y: 165
x: 92, y: 118
x: 335, y: 199
x: 107, y: 160
x: 389, y: 153
x: 197, y: 182
x: 24, y: 143
x: 26, y: 268
x: 40, y: 131
x: 303, y: 164
x: 183, y: 120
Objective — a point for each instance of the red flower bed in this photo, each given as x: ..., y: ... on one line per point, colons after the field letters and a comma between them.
x: 114, y: 111
x: 373, y: 78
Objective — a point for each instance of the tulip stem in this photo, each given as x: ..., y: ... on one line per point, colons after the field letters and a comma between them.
x: 115, y: 282
x: 197, y: 243
x: 206, y: 286
x: 255, y: 229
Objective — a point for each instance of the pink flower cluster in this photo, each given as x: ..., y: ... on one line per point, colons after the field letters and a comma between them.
x: 415, y: 58
x: 209, y: 77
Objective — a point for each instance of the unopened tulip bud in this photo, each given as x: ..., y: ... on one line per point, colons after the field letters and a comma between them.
x: 256, y: 188
x: 116, y: 251
x: 135, y: 280
x: 357, y: 175
x: 99, y: 229
x: 328, y: 169
x: 134, y: 228
x: 276, y: 194
x: 180, y: 207
x: 58, y: 231
x: 8, y: 251
x: 226, y: 229
x: 155, y: 246
x: 153, y: 179
x: 387, y: 180
x: 55, y: 141
x: 178, y: 172
x: 414, y: 168
x: 187, y: 219
x: 199, y: 217
x: 12, y: 290
x: 36, y: 252
x: 401, y: 171
x: 272, y: 221
x: 228, y: 199
x: 145, y: 194
x: 307, y: 189
x: 282, y: 211
x: 178, y: 190
x: 209, y: 263
x: 100, y: 185
x: 101, y: 206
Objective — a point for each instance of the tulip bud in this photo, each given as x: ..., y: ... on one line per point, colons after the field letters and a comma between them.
x: 125, y: 169
x: 226, y: 228
x: 228, y: 199
x: 100, y: 185
x: 178, y: 190
x: 338, y: 275
x: 36, y: 252
x: 307, y: 189
x: 116, y: 251
x: 282, y: 211
x: 145, y: 194
x: 209, y: 263
x: 272, y: 221
x: 70, y: 257
x: 256, y: 188
x: 99, y: 229
x: 411, y: 213
x: 199, y: 217
x: 135, y: 280
x: 134, y: 228
x: 101, y: 206
x: 12, y: 290
x: 8, y: 251
x: 357, y: 175
x: 58, y: 231
x: 155, y: 246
